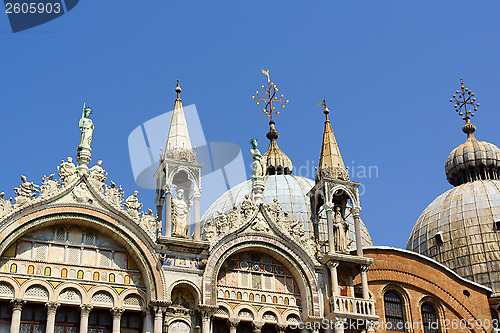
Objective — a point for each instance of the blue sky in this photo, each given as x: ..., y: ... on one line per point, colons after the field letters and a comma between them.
x: 386, y: 68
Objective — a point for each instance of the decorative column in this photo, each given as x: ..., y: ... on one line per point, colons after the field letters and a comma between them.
x: 357, y: 229
x: 364, y: 282
x: 117, y: 316
x: 84, y: 316
x: 332, y: 265
x: 167, y: 226
x: 257, y: 326
x: 205, y: 321
x: 233, y: 324
x: 17, y: 307
x: 147, y: 326
x: 158, y: 324
x: 51, y: 315
x: 340, y: 324
x: 159, y: 213
x: 329, y: 223
x: 196, y: 204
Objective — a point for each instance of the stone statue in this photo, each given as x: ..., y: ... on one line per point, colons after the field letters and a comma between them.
x: 222, y: 223
x: 340, y: 229
x: 115, y: 194
x: 283, y: 222
x: 98, y: 175
x: 49, y: 186
x: 148, y: 222
x: 235, y: 219
x: 310, y: 245
x: 274, y: 209
x: 25, y: 192
x: 180, y: 215
x: 247, y: 207
x: 86, y: 128
x: 296, y: 230
x: 210, y: 232
x: 256, y: 157
x: 5, y: 205
x: 81, y: 194
x: 133, y: 205
x: 260, y: 224
x: 67, y: 171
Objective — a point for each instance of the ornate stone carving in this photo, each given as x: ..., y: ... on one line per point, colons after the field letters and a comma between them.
x: 310, y: 245
x: 133, y: 206
x: 233, y: 322
x: 222, y: 223
x: 98, y: 175
x: 85, y: 309
x: 17, y: 303
x: 52, y: 306
x: 247, y: 207
x: 340, y: 229
x: 283, y: 222
x: 149, y: 222
x: 274, y: 209
x: 81, y: 194
x: 49, y: 186
x: 259, y: 224
x: 117, y: 312
x: 235, y: 218
x: 114, y: 194
x: 210, y: 231
x: 5, y: 205
x: 67, y: 171
x: 258, y: 171
x: 180, y: 215
x: 296, y: 230
x: 25, y: 192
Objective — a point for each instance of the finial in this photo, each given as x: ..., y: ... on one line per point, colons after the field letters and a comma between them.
x: 271, y: 97
x: 178, y: 90
x: 325, y: 110
x: 465, y: 97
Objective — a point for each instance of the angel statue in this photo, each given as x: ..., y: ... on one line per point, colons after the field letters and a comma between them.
x: 25, y: 192
x: 67, y: 171
x: 256, y: 156
x: 87, y: 128
x: 133, y: 205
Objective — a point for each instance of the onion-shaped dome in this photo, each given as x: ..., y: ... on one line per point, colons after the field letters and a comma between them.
x: 274, y: 161
x: 472, y: 160
x: 291, y: 192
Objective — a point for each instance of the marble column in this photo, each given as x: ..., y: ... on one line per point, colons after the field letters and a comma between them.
x: 147, y: 325
x: 167, y: 228
x: 51, y: 315
x: 117, y: 317
x: 357, y: 229
x: 205, y: 321
x: 329, y: 225
x: 334, y: 279
x: 364, y: 282
x: 257, y: 326
x: 84, y: 316
x: 159, y: 213
x: 196, y: 215
x: 233, y: 324
x: 17, y: 307
x: 158, y: 324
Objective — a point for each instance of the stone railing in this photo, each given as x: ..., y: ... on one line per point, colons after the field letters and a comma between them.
x: 351, y: 306
x: 263, y: 296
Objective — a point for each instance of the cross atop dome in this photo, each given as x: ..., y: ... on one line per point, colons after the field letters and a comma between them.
x: 271, y: 92
x: 464, y: 100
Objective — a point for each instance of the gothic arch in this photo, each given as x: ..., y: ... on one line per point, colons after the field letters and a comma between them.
x: 191, y: 176
x: 138, y: 245
x: 352, y: 196
x: 303, y: 274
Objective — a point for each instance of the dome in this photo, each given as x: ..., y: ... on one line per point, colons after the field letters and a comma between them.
x: 291, y: 192
x: 460, y: 230
x: 472, y: 160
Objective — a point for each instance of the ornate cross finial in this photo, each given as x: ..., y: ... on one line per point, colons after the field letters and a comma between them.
x: 271, y: 97
x: 465, y: 97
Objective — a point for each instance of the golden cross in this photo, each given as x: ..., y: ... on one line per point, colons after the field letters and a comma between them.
x: 465, y: 97
x: 270, y: 91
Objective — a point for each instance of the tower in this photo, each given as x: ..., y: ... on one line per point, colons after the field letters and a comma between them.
x: 337, y: 197
x: 178, y: 172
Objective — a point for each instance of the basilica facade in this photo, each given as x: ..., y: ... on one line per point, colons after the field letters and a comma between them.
x: 276, y: 253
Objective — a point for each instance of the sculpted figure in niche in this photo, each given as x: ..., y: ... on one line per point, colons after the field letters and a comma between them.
x: 86, y: 128
x: 133, y: 205
x: 180, y: 215
x: 256, y: 157
x: 247, y: 207
x: 340, y: 229
x: 67, y: 171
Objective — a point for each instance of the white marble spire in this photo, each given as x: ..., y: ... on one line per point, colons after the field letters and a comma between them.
x: 178, y: 135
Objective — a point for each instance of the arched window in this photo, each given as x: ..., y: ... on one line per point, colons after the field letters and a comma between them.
x: 80, y: 274
x: 47, y: 271
x: 111, y: 277
x: 31, y: 269
x: 13, y: 268
x: 96, y: 276
x: 394, y: 312
x: 127, y: 279
x: 429, y: 319
x: 64, y: 272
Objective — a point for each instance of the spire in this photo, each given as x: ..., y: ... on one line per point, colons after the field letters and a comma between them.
x: 330, y: 161
x: 178, y: 135
x: 274, y: 160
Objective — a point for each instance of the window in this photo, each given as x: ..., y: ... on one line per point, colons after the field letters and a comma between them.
x: 31, y: 269
x: 429, y: 318
x: 393, y: 312
x: 47, y: 271
x: 33, y: 318
x: 100, y: 321
x: 5, y: 316
x: 127, y: 279
x: 67, y: 320
x: 80, y: 274
x: 111, y: 277
x: 64, y: 272
x: 131, y: 322
x: 96, y: 276
x: 13, y: 268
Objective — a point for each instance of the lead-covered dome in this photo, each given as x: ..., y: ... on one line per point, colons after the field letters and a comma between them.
x: 291, y: 192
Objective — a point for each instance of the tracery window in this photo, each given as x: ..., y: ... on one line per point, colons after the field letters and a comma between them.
x: 394, y: 316
x: 67, y: 320
x: 33, y: 319
x: 429, y: 318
